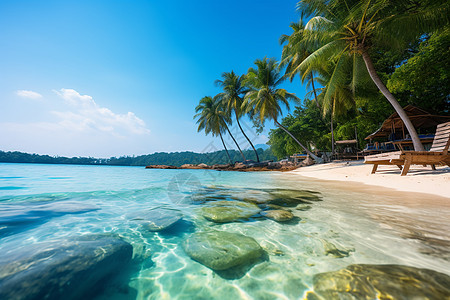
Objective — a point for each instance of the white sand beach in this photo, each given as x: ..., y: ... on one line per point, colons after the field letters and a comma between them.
x: 419, y: 179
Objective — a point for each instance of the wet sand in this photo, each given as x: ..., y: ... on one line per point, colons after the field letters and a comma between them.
x: 415, y: 206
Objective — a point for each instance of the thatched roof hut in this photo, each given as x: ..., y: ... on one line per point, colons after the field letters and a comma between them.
x: 420, y: 118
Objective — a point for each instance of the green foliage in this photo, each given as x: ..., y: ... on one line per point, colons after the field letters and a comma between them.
x: 233, y: 92
x: 211, y: 116
x: 424, y: 79
x: 346, y: 32
x: 264, y: 98
x: 307, y: 125
x: 404, y: 43
x: 232, y: 99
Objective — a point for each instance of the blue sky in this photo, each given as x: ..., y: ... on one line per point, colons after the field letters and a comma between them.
x: 112, y: 78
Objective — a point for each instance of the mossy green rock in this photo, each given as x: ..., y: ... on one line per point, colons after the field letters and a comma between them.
x: 229, y: 211
x: 278, y: 215
x: 381, y: 282
x: 292, y: 198
x: 276, y: 207
x: 220, y: 250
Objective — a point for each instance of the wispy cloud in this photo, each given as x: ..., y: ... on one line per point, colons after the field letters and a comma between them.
x: 28, y: 94
x: 86, y: 114
x: 76, y: 125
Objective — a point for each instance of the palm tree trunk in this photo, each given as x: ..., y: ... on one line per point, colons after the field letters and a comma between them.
x: 383, y: 89
x: 239, y: 124
x: 315, y: 98
x: 332, y: 136
x: 229, y: 132
x: 317, y: 159
x: 223, y: 143
x: 314, y: 91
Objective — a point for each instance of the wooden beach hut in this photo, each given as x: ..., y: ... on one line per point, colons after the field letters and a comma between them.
x: 347, y: 149
x: 395, y: 136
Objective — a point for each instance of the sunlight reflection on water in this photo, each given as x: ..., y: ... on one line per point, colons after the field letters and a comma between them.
x: 350, y: 225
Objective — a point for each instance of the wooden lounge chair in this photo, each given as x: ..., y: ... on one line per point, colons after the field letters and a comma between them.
x: 438, y: 154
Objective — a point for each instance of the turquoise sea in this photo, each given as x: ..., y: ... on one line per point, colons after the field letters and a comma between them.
x: 49, y: 213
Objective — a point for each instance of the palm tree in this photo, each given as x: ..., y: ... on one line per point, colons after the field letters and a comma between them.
x: 213, y: 119
x: 348, y: 29
x: 210, y: 119
x: 228, y: 121
x: 295, y: 50
x: 340, y: 103
x: 264, y: 98
x: 232, y: 97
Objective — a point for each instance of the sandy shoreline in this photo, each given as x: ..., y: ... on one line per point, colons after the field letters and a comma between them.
x: 419, y: 179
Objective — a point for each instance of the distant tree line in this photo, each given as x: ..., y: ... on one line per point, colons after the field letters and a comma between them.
x: 158, y: 158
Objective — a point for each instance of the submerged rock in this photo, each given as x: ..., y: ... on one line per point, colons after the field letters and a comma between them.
x: 229, y: 211
x: 201, y: 194
x: 292, y: 198
x: 381, y: 282
x: 221, y: 250
x: 157, y: 219
x: 278, y: 215
x: 62, y: 270
x: 21, y: 216
x: 303, y: 207
x: 287, y: 202
x: 276, y: 207
x: 331, y: 249
x: 261, y: 199
x: 32, y: 212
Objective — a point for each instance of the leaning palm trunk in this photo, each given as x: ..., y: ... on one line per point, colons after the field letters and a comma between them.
x: 226, y: 150
x: 315, y: 98
x: 383, y: 89
x: 314, y: 91
x: 317, y: 159
x: 229, y: 132
x: 239, y: 124
x: 332, y: 137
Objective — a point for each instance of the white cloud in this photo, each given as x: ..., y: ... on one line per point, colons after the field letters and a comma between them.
x: 28, y: 94
x: 71, y: 124
x: 86, y: 114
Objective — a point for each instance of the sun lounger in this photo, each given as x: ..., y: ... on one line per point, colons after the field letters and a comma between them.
x: 438, y: 154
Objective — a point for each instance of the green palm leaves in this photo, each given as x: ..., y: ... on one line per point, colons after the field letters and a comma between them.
x: 344, y: 31
x: 332, y: 49
x: 265, y: 99
x: 212, y: 119
x: 232, y: 98
x: 233, y: 91
x: 256, y: 94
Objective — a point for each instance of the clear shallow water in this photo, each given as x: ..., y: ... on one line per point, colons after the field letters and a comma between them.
x: 350, y: 226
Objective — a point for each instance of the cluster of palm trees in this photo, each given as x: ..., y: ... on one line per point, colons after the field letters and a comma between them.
x: 255, y: 94
x: 332, y: 49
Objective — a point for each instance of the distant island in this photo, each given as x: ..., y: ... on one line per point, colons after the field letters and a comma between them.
x: 159, y: 158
